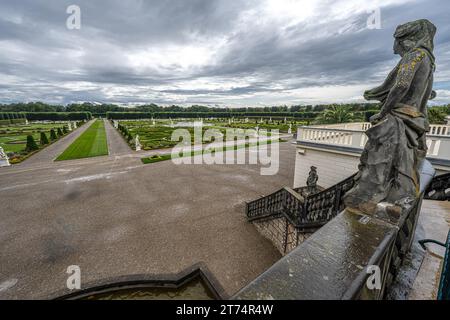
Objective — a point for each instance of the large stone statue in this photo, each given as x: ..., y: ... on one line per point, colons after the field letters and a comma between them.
x: 388, y: 170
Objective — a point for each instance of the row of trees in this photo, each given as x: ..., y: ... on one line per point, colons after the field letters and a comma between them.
x: 124, y: 130
x: 325, y: 113
x: 43, y: 139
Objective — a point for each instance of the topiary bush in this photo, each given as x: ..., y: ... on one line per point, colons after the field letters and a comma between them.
x: 44, y: 139
x: 60, y: 133
x: 31, y: 144
x: 53, y: 134
x: 65, y: 130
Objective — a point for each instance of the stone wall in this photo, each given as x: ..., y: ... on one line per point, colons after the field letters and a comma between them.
x: 331, y: 167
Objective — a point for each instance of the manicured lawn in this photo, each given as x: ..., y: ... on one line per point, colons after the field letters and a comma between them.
x: 91, y: 143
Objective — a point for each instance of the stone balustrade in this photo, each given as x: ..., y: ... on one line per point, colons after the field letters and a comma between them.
x: 352, y: 135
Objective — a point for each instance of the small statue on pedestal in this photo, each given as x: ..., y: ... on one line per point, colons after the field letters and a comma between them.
x: 311, y: 182
x: 137, y: 143
x: 4, y: 161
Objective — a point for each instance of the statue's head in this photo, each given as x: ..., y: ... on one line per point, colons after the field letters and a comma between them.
x: 414, y: 34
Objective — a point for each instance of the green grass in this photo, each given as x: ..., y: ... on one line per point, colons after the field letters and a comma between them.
x: 168, y: 156
x: 91, y: 143
x: 13, y: 138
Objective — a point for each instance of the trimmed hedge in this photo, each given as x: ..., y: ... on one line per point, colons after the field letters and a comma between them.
x: 310, y: 115
x: 174, y: 115
x: 58, y: 116
x: 7, y: 118
x: 31, y: 144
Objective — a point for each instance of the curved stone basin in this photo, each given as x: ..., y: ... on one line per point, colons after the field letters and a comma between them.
x: 197, y: 284
x: 194, y: 290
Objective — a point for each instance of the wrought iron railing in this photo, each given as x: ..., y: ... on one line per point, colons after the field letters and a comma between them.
x: 312, y: 210
x: 439, y: 189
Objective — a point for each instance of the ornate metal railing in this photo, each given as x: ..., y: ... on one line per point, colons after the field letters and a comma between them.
x: 313, y: 210
x: 325, y: 205
x: 439, y: 189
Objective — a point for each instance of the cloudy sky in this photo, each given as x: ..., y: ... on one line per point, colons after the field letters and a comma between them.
x: 212, y: 52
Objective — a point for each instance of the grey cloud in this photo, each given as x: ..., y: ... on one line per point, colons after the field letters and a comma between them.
x: 45, y: 59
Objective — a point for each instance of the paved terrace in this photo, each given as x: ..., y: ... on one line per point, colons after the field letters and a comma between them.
x: 114, y: 216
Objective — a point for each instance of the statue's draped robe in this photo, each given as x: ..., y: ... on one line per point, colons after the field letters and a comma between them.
x: 389, y: 164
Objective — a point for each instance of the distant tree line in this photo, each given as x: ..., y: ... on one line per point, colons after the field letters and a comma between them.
x: 153, y: 108
x: 322, y: 113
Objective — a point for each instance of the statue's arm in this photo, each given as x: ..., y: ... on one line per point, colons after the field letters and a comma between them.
x: 405, y: 75
x: 373, y: 93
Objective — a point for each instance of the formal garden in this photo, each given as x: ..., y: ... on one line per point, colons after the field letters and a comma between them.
x: 20, y: 141
x: 157, y: 134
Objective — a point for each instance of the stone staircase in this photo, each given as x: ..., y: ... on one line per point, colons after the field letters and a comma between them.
x: 288, y: 216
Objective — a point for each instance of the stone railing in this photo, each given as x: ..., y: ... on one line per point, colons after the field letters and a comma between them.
x: 336, y: 261
x: 438, y: 139
x: 435, y: 129
x: 334, y: 136
x: 439, y: 130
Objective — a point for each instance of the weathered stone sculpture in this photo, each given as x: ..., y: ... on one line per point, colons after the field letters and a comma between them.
x: 137, y: 143
x: 311, y: 182
x: 388, y: 170
x: 4, y: 161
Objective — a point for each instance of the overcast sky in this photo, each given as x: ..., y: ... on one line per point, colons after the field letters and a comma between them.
x: 211, y: 52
